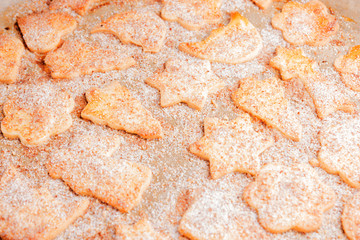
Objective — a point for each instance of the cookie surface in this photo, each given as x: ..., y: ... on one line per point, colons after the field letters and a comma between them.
x: 145, y: 29
x: 266, y: 100
x: 82, y: 7
x: 263, y: 4
x: 349, y: 68
x: 351, y: 218
x: 142, y: 230
x: 231, y: 146
x: 43, y: 31
x: 27, y: 212
x: 75, y: 58
x: 34, y: 113
x: 11, y: 52
x: 306, y: 23
x: 192, y: 14
x: 189, y: 81
x: 289, y: 197
x: 237, y: 42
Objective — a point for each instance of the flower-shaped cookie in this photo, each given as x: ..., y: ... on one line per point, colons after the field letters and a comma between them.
x: 192, y: 14
x: 43, y: 31
x: 34, y: 113
x: 82, y: 7
x: 116, y: 107
x: 349, y: 68
x: 76, y: 57
x: 327, y: 97
x: 309, y: 23
x: 86, y: 166
x: 340, y: 150
x: 189, y: 81
x: 351, y: 218
x: 237, y: 42
x: 231, y: 146
x: 142, y: 230
x: 220, y: 215
x: 27, y: 212
x: 289, y: 197
x: 11, y: 52
x: 266, y: 100
x: 145, y: 29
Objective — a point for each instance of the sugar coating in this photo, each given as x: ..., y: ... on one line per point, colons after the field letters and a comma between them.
x: 263, y: 4
x: 81, y: 7
x: 351, y: 217
x: 142, y: 230
x: 306, y: 23
x: 189, y: 81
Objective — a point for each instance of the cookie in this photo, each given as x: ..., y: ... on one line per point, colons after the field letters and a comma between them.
x: 263, y: 4
x: 192, y: 14
x: 327, y: 97
x: 81, y: 7
x: 306, y: 23
x: 35, y: 112
x: 44, y: 31
x: 237, y: 42
x: 220, y: 215
x: 115, y: 107
x: 189, y: 81
x: 142, y: 230
x: 266, y: 101
x: 349, y: 68
x: 76, y: 57
x: 145, y: 29
x: 11, y: 52
x: 231, y: 146
x: 27, y: 212
x: 351, y: 218
x: 86, y: 166
x: 340, y: 151
x: 289, y: 197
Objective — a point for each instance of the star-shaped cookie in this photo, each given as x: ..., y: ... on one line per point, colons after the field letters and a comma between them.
x: 351, y: 218
x: 237, y: 42
x: 189, y: 81
x: 81, y: 7
x: 86, y: 166
x: 142, y: 230
x: 76, y: 57
x: 44, y: 31
x: 340, y: 150
x: 349, y: 68
x: 11, y: 52
x: 327, y: 97
x: 27, y: 212
x: 192, y: 14
x: 231, y: 146
x: 263, y: 4
x: 145, y: 29
x: 221, y: 215
x: 306, y: 23
x: 116, y: 107
x: 289, y: 197
x: 266, y: 100
x: 35, y: 112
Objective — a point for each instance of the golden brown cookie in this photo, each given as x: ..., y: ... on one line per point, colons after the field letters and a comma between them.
x: 44, y: 31
x: 142, y: 230
x: 27, y: 212
x: 189, y: 81
x: 34, y: 113
x: 349, y: 68
x: 82, y: 7
x: 306, y: 23
x: 289, y: 197
x: 237, y: 42
x: 266, y: 100
x: 220, y: 215
x: 340, y: 150
x: 351, y: 218
x: 327, y: 97
x: 231, y: 146
x: 192, y: 14
x: 11, y: 52
x: 145, y: 29
x: 76, y: 57
x: 115, y: 107
x: 86, y: 166
x: 263, y: 4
